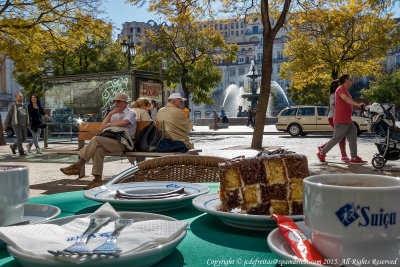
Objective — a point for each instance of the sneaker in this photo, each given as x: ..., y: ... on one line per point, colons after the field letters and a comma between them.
x: 13, y: 150
x: 39, y: 151
x: 321, y: 157
x: 357, y: 160
x: 22, y: 154
x: 345, y: 159
x: 28, y: 147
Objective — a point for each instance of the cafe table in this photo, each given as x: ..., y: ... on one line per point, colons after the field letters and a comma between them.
x: 208, y: 241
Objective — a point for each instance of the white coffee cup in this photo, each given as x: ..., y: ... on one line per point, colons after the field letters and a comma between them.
x: 354, y: 219
x: 14, y: 192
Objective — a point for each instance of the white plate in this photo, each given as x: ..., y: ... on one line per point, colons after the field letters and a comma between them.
x: 143, y: 258
x: 107, y: 193
x: 279, y: 246
x: 210, y: 203
x: 38, y: 213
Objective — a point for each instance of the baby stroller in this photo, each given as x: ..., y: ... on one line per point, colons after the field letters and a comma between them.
x: 383, y: 124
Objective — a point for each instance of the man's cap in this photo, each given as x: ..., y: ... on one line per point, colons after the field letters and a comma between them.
x: 175, y: 96
x: 121, y: 97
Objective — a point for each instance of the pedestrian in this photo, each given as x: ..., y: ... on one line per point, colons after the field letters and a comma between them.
x: 343, y: 124
x: 342, y: 143
x: 250, y: 117
x: 154, y: 109
x: 19, y: 118
x: 216, y: 119
x: 36, y: 112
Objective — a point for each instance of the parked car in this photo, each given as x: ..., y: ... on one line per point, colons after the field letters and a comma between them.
x: 301, y: 120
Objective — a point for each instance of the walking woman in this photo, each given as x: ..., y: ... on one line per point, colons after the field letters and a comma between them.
x: 35, y: 113
x: 331, y: 115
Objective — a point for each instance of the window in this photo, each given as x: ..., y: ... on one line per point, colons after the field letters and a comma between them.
x: 225, y: 26
x: 131, y: 29
x: 232, y: 33
x: 232, y: 72
x: 243, y: 49
x: 289, y: 112
x: 283, y: 39
x: 259, y: 57
x: 255, y: 29
x: 398, y: 59
x: 241, y: 71
x: 322, y: 111
x: 306, y: 112
x: 232, y: 25
x: 138, y: 30
x: 237, y: 25
x: 216, y: 26
x: 250, y: 49
x: 237, y: 33
x: 241, y: 24
x: 226, y: 34
x: 241, y: 60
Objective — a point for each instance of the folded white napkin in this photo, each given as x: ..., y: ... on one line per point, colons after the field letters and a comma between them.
x: 36, y: 239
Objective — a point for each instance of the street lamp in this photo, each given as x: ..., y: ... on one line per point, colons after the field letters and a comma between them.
x: 130, y: 50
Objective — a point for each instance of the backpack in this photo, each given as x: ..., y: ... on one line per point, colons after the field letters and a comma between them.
x: 148, y: 139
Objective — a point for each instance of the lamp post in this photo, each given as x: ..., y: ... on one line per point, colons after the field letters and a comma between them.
x: 130, y: 50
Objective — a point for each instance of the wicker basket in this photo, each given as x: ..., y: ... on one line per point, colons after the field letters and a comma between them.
x: 186, y: 168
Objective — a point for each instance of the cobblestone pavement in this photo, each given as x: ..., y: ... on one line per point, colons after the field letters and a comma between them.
x: 45, y: 177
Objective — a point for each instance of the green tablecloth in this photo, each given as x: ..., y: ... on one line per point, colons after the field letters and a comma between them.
x: 208, y: 242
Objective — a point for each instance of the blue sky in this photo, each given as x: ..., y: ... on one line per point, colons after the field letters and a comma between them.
x: 119, y: 12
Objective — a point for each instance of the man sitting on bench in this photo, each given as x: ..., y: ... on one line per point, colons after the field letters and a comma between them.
x: 120, y: 116
x: 177, y: 125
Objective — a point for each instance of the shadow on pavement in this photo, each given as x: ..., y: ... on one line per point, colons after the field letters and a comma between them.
x: 339, y: 167
x: 60, y: 186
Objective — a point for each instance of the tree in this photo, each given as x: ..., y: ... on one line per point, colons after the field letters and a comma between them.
x: 191, y: 54
x: 342, y: 36
x: 384, y: 90
x: 103, y: 56
x: 30, y: 29
x: 312, y: 94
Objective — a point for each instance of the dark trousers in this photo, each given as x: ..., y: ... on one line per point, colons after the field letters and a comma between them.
x: 20, y: 133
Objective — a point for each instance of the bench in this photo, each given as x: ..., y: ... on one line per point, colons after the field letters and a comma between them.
x: 87, y: 130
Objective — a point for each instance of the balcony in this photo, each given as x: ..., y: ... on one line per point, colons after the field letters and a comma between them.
x: 251, y: 32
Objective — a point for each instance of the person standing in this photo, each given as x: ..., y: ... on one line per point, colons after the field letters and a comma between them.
x: 343, y: 124
x: 216, y: 119
x: 35, y: 114
x: 250, y: 117
x: 331, y: 114
x: 19, y: 118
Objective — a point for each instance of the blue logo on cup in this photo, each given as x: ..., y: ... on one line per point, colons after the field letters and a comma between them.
x: 347, y: 214
x: 350, y: 213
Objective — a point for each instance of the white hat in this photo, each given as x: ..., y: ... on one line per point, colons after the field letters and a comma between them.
x: 175, y: 96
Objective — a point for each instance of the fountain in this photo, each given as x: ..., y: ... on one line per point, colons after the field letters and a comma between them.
x: 236, y: 99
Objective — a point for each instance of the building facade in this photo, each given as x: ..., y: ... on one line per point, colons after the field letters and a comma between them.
x: 8, y: 85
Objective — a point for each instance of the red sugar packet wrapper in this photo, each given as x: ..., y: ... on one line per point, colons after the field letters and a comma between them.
x: 297, y: 240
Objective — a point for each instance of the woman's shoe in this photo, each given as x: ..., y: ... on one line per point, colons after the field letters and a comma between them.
x: 39, y: 151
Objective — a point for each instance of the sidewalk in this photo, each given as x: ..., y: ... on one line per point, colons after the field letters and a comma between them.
x: 46, y: 178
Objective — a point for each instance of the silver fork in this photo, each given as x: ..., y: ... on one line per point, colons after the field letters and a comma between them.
x: 80, y: 247
x: 110, y: 247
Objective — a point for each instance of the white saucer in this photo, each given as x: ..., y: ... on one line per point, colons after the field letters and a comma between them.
x: 279, y: 246
x: 38, y: 213
x: 147, y: 257
x: 107, y: 194
x: 210, y: 203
